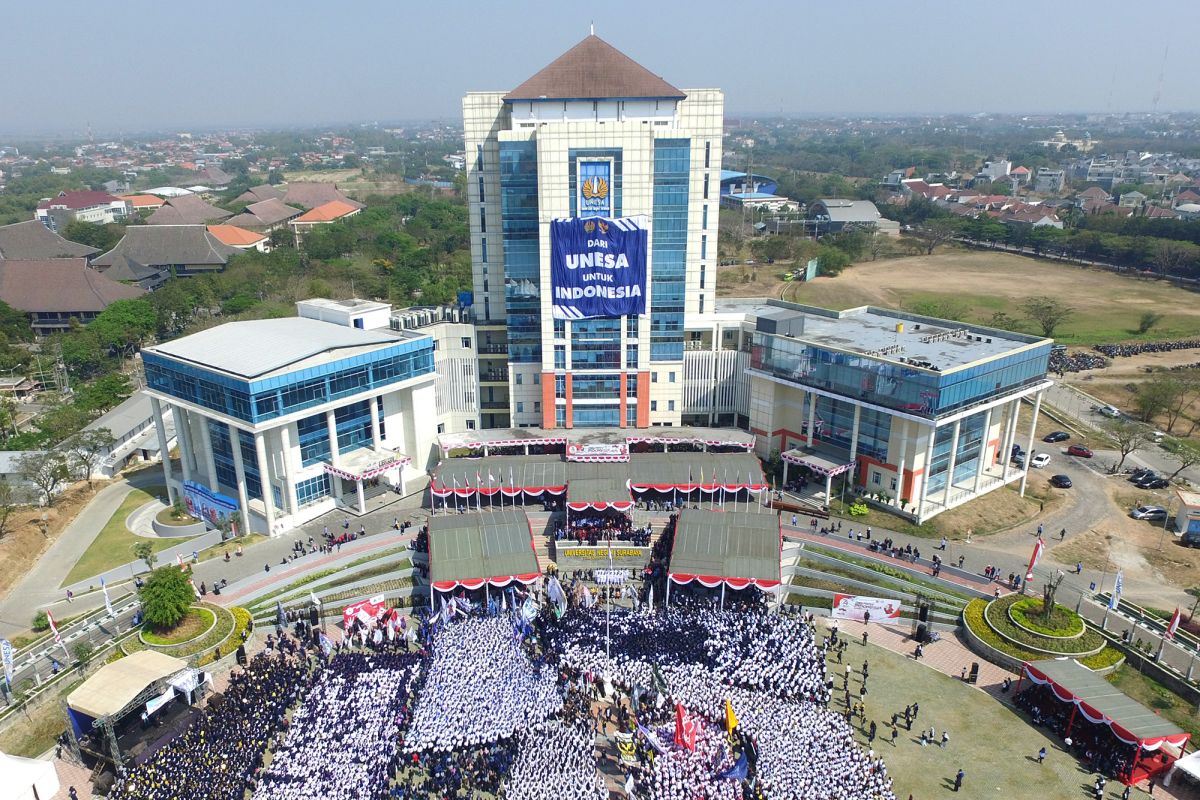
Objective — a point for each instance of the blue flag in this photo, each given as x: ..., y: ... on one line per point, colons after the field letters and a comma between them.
x: 739, y: 769
x: 1118, y: 587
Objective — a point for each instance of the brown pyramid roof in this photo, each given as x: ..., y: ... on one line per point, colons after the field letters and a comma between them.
x: 593, y: 69
x: 59, y: 285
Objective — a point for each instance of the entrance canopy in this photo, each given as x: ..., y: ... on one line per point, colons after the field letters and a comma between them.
x: 735, y: 548
x: 686, y: 472
x: 1102, y: 703
x: 823, y: 465
x: 469, y: 550
x: 116, y: 685
x: 509, y: 475
x: 367, y: 463
x: 534, y: 437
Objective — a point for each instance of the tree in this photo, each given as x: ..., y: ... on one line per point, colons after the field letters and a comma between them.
x: 1004, y: 321
x: 1155, y: 395
x: 831, y: 260
x: 145, y: 551
x: 1128, y: 436
x: 166, y: 597
x: 41, y: 622
x: 125, y: 324
x: 875, y: 243
x: 47, y: 470
x: 83, y: 651
x: 1046, y: 312
x: 11, y: 498
x: 61, y: 421
x: 101, y: 237
x: 1148, y: 320
x: 937, y: 231
x: 104, y: 393
x: 85, y: 449
x: 1185, y: 452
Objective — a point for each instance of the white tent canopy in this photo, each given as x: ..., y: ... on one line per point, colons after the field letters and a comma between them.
x: 1189, y: 765
x: 26, y: 778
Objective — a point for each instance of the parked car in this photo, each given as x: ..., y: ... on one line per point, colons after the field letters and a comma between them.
x: 1139, y: 475
x: 1057, y: 436
x: 1040, y: 460
x: 1112, y: 412
x: 1079, y: 450
x: 1019, y: 459
x: 1061, y: 482
x: 1153, y: 483
x: 1016, y: 451
x: 1148, y: 512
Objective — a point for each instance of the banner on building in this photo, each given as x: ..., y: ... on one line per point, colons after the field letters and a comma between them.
x: 594, y: 198
x: 203, y: 503
x: 881, y: 609
x: 598, y: 267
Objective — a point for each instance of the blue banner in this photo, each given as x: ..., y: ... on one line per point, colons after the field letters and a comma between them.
x: 205, y: 504
x: 598, y: 267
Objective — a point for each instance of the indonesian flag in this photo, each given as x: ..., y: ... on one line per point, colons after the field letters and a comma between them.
x: 57, y: 637
x: 1033, y: 560
x: 685, y: 729
x: 1173, y: 625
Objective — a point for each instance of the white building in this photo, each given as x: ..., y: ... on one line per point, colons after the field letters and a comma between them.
x: 100, y: 208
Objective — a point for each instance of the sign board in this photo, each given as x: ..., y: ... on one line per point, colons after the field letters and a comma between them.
x: 598, y: 267
x: 882, y: 609
x: 810, y: 270
x: 568, y: 557
x: 595, y: 188
x: 205, y: 504
x: 597, y: 452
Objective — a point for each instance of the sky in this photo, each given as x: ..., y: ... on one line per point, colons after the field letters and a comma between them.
x: 154, y: 65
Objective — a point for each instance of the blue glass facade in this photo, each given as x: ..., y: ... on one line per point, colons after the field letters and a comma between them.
x: 970, y: 445
x: 672, y: 162
x: 837, y: 426
x: 262, y: 400
x: 223, y: 458
x: 312, y: 490
x: 897, y: 386
x: 522, y: 271
x: 596, y: 344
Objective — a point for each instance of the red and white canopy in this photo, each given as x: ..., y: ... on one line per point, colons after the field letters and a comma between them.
x: 375, y: 469
x: 713, y: 581
x: 365, y: 611
x: 497, y: 581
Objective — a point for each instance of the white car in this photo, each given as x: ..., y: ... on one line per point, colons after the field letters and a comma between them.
x: 1112, y: 412
x: 1040, y: 460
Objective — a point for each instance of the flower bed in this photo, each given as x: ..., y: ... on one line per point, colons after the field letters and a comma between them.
x: 973, y: 619
x: 196, y: 623
x: 241, y: 621
x: 215, y: 635
x: 995, y: 614
x: 1064, y: 623
x: 1106, y: 660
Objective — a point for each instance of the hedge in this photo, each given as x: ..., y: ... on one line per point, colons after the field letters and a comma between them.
x: 241, y: 621
x: 1108, y: 657
x: 218, y: 634
x: 973, y: 617
x: 1022, y: 609
x: 996, y: 614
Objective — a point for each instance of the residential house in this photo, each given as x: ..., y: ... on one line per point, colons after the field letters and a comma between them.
x: 1092, y: 194
x: 241, y: 238
x: 1132, y: 199
x: 52, y: 292
x: 1189, y: 211
x: 261, y: 192
x: 187, y: 209
x: 930, y: 191
x: 312, y: 194
x: 332, y: 211
x: 265, y: 215
x: 832, y: 215
x: 1050, y: 181
x: 33, y: 241
x: 177, y: 249
x: 1186, y: 196
x: 994, y: 170
x: 144, y: 203
x: 100, y: 208
x: 893, y: 179
x: 1022, y: 174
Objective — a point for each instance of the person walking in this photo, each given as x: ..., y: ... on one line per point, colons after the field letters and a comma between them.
x: 958, y: 779
x: 871, y: 732
x: 1062, y: 534
x: 1041, y: 755
x: 895, y: 733
x: 945, y: 739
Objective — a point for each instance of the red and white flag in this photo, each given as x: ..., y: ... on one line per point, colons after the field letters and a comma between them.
x: 57, y: 636
x: 1173, y: 625
x: 685, y: 729
x: 1033, y: 560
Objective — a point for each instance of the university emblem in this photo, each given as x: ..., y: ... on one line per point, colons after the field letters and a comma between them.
x: 595, y: 188
x: 589, y: 226
x: 603, y: 226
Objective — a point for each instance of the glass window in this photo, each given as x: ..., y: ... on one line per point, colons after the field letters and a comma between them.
x: 707, y: 154
x: 703, y: 219
x: 560, y: 356
x: 483, y: 220
x: 481, y: 197
x: 520, y: 407
x: 483, y: 249
x: 670, y: 405
x: 706, y: 186
x: 631, y: 327
x: 654, y: 405
x: 519, y: 378
x: 631, y: 356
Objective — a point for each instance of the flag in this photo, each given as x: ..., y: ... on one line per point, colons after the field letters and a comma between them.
x: 1038, y: 546
x: 650, y: 600
x: 685, y: 729
x: 651, y: 739
x: 1118, y: 585
x: 6, y: 652
x: 731, y: 720
x: 491, y: 478
x: 326, y: 644
x: 1173, y: 625
x: 629, y: 785
x: 179, y: 560
x: 57, y: 638
x: 107, y: 603
x: 738, y: 771
x: 314, y: 599
x: 195, y: 591
x: 280, y: 614
x: 660, y: 685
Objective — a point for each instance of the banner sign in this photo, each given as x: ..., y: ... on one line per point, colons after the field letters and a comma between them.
x: 203, y: 503
x: 597, y: 452
x: 6, y: 651
x: 595, y: 188
x: 598, y: 267
x: 882, y: 609
x: 568, y: 557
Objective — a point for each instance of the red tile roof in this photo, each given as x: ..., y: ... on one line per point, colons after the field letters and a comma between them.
x: 234, y: 236
x: 593, y: 69
x: 334, y: 209
x: 77, y: 200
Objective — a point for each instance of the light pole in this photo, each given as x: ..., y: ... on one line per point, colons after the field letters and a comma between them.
x: 1166, y: 521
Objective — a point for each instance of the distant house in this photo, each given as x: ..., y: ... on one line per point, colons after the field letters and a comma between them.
x: 54, y: 291
x: 1132, y: 199
x: 187, y: 209
x: 1092, y: 194
x: 33, y: 241
x: 332, y: 211
x: 100, y: 208
x: 1050, y: 181
x: 1186, y: 196
x: 143, y: 202
x: 837, y: 214
x: 312, y: 194
x: 240, y: 238
x: 176, y: 249
x: 265, y: 215
x: 215, y: 177
x: 261, y: 192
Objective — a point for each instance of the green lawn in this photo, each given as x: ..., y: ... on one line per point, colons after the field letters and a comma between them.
x: 196, y: 622
x: 113, y: 545
x: 33, y: 733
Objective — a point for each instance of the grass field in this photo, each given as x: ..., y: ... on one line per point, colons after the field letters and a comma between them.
x: 113, y: 545
x: 33, y: 733
x: 975, y: 285
x: 195, y: 622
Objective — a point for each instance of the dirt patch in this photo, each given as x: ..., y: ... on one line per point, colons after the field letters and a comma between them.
x: 1090, y: 548
x: 24, y: 544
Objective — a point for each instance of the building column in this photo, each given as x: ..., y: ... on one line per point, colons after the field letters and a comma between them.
x: 335, y: 457
x: 183, y: 435
x: 1037, y: 407
x: 1010, y: 431
x: 901, y: 459
x: 854, y: 434
x: 210, y: 464
x: 983, y: 454
x: 812, y: 416
x: 285, y: 444
x: 953, y: 462
x: 239, y: 470
x: 161, y: 430
x: 362, y: 496
x: 785, y: 473
x: 376, y: 439
x: 264, y: 480
x: 927, y: 474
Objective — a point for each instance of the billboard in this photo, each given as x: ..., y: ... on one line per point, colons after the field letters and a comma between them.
x: 598, y: 267
x: 594, y: 198
x: 203, y: 503
x: 849, y: 606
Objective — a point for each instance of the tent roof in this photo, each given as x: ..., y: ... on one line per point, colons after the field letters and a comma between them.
x: 115, y: 685
x: 598, y: 483
x: 527, y: 471
x: 19, y: 775
x: 727, y: 544
x: 1099, y: 694
x: 686, y: 468
x: 480, y: 546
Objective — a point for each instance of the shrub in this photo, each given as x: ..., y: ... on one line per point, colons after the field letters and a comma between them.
x: 996, y: 614
x: 973, y: 619
x: 859, y: 509
x: 1108, y: 657
x: 166, y: 598
x: 41, y: 622
x: 83, y: 651
x: 241, y: 621
x: 1063, y: 622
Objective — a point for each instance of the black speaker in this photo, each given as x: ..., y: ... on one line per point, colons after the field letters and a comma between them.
x: 923, y: 612
x: 241, y: 655
x: 312, y: 616
x: 922, y: 633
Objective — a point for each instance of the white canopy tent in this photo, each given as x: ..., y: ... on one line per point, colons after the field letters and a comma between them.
x: 1187, y: 767
x: 27, y: 778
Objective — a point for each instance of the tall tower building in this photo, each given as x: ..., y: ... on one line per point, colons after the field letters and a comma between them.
x: 597, y: 139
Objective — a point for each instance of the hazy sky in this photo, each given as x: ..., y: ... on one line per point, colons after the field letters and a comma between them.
x: 158, y: 64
